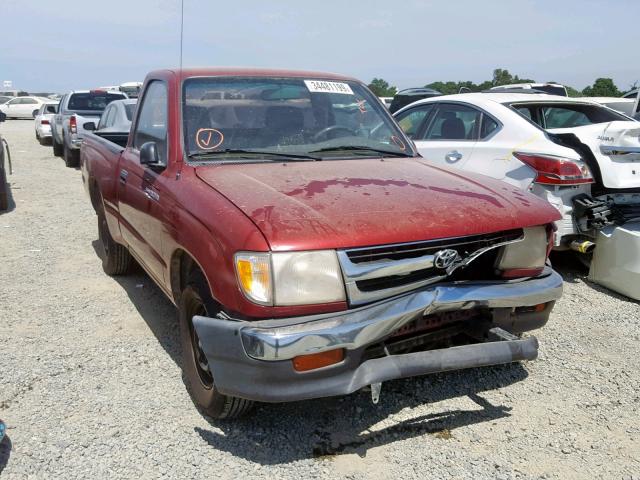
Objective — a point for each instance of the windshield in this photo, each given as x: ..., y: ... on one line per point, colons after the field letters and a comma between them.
x: 93, y: 101
x: 289, y: 116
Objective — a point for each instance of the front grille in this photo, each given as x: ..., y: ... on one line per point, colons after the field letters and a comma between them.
x: 373, y: 273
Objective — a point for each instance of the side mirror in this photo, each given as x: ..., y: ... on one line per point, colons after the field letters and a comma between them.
x: 149, y: 155
x: 89, y: 126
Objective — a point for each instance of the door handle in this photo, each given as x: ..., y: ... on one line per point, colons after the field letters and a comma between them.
x: 452, y: 156
x: 123, y: 176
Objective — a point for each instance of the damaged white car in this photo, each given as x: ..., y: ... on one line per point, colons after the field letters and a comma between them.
x: 582, y: 157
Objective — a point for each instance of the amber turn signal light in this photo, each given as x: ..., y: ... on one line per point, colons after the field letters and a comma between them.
x: 304, y: 363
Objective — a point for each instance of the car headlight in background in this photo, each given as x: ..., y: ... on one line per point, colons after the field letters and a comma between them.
x: 290, y: 278
x: 527, y: 257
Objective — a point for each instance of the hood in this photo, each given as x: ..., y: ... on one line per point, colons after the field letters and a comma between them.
x: 616, y: 149
x: 354, y: 203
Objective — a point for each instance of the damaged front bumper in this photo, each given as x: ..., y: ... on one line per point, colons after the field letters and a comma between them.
x: 253, y: 360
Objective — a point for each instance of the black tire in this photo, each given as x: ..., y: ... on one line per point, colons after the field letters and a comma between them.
x: 116, y: 259
x: 196, y: 299
x: 57, y: 147
x: 71, y: 157
x: 4, y: 188
x: 34, y: 114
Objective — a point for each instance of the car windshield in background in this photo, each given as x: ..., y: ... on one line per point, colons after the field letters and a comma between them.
x: 239, y: 116
x: 129, y: 109
x: 93, y: 101
x: 566, y: 115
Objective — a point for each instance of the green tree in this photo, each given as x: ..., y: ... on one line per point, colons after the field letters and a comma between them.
x: 572, y: 92
x: 602, y: 87
x: 381, y: 88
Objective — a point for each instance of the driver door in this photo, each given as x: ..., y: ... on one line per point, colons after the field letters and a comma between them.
x: 140, y: 186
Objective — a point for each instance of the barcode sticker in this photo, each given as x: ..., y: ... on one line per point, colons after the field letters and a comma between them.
x: 321, y: 86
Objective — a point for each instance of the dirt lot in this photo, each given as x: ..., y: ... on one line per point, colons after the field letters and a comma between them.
x: 90, y: 379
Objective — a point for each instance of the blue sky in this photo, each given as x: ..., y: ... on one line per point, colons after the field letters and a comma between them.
x: 57, y: 46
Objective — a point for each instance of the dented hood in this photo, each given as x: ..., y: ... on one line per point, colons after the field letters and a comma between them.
x: 350, y: 203
x: 616, y: 148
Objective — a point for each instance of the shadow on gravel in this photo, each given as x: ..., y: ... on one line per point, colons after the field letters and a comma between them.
x: 156, y: 310
x: 281, y: 433
x: 5, y: 452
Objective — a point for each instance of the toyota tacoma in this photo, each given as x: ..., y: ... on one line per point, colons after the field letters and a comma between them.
x: 309, y: 249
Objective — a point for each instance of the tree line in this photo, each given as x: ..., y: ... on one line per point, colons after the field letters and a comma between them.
x: 602, y: 87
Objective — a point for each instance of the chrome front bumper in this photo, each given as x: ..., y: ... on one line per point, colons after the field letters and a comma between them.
x: 252, y: 359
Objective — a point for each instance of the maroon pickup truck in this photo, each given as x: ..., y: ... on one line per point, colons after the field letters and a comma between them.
x: 309, y: 249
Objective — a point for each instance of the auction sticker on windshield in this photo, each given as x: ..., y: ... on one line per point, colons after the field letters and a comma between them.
x: 320, y: 86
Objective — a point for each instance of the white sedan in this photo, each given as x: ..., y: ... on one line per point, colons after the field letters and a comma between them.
x: 582, y: 157
x: 23, y: 107
x: 43, y: 122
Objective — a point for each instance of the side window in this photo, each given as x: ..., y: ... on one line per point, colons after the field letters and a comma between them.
x: 489, y: 126
x: 525, y: 112
x: 560, y: 117
x: 454, y: 122
x: 411, y: 120
x: 152, y: 120
x: 29, y: 101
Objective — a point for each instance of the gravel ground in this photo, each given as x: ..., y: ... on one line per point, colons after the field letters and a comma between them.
x: 90, y: 382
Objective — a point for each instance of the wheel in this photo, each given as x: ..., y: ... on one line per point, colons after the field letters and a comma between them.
x: 116, y: 259
x: 57, y: 147
x: 34, y: 113
x: 43, y: 141
x: 196, y: 299
x: 4, y: 194
x: 71, y: 157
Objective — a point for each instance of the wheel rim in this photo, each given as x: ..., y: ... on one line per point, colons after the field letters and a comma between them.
x: 196, y: 307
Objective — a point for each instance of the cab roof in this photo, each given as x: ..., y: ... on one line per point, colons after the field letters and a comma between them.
x: 185, y: 73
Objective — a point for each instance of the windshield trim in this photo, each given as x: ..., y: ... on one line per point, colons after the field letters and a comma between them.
x: 379, y: 107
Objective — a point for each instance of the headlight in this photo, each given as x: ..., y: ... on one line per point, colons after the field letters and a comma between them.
x: 290, y: 278
x: 527, y: 257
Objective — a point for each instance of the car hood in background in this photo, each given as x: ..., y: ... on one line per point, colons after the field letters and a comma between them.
x: 349, y: 203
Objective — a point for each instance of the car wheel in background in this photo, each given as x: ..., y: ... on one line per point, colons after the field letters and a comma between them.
x: 196, y: 299
x: 4, y: 188
x: 57, y: 148
x: 71, y: 157
x: 116, y: 259
x: 34, y: 113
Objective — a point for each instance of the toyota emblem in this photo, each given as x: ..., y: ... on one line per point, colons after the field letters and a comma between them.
x: 443, y: 259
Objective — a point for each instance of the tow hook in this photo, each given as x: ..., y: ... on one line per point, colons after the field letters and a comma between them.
x: 582, y: 246
x: 375, y: 392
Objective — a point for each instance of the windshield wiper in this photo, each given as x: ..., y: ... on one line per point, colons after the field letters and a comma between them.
x: 216, y: 153
x: 362, y: 148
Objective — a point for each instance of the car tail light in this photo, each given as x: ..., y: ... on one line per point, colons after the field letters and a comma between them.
x: 552, y: 170
x: 44, y: 122
x: 73, y: 124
